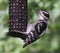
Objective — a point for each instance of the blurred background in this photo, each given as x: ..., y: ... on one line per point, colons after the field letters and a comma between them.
x: 48, y: 43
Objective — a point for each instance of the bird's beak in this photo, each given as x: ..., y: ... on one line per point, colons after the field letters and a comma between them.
x: 36, y: 10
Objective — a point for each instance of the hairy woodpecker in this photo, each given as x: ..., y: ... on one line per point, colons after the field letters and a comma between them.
x: 35, y: 30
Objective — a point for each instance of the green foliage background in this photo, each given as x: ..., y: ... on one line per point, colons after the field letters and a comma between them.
x: 49, y: 43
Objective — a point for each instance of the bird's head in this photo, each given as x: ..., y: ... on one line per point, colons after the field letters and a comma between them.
x: 43, y: 14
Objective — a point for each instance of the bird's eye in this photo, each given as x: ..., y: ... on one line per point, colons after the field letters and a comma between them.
x: 46, y: 14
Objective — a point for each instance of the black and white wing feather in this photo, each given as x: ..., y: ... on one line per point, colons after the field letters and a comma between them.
x: 35, y: 33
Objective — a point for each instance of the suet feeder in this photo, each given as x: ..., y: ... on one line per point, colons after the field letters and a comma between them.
x: 18, y: 17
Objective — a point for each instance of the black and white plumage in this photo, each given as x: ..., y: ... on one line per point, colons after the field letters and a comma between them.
x: 35, y: 30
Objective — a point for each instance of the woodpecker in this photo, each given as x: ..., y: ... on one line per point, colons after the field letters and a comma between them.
x: 37, y: 29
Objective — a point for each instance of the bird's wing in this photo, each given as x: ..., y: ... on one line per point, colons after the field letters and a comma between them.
x: 33, y: 35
